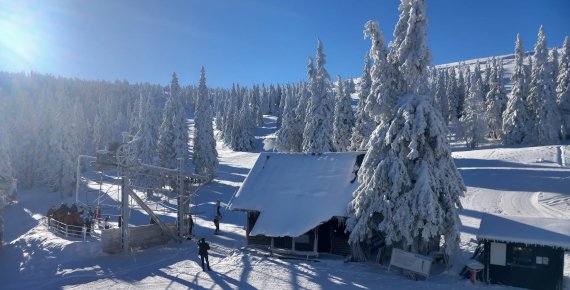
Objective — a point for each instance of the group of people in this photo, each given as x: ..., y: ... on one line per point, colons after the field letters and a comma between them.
x: 73, y: 216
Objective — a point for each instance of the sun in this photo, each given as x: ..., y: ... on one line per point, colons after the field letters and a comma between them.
x: 22, y: 35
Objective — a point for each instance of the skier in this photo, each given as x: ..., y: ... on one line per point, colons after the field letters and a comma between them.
x: 203, y: 248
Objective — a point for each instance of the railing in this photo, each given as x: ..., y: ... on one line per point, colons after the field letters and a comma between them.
x: 66, y: 230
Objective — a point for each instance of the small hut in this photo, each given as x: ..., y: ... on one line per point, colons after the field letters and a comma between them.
x: 524, y: 251
x: 297, y: 203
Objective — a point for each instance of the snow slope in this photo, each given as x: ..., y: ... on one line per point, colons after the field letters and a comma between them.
x: 505, y: 181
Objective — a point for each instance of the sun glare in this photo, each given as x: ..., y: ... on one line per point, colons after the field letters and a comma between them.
x: 22, y: 35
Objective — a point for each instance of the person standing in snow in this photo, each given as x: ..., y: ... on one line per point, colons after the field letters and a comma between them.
x: 217, y: 224
x: 218, y: 213
x: 106, y: 223
x: 203, y: 248
x: 218, y: 217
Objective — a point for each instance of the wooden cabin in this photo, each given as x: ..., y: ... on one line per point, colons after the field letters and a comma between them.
x: 297, y: 203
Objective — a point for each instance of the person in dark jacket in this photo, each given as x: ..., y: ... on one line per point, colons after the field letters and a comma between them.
x: 203, y: 248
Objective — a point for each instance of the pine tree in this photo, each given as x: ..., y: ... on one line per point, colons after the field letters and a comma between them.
x: 343, y: 117
x: 541, y: 100
x: 441, y: 100
x: 473, y: 117
x: 256, y: 106
x: 409, y: 186
x: 563, y: 86
x: 381, y: 101
x: 289, y: 137
x: 204, y: 155
x: 67, y: 143
x: 146, y: 144
x: 364, y: 124
x: 410, y: 52
x: 242, y: 131
x: 317, y: 135
x: 6, y: 171
x: 515, y: 117
x: 496, y: 101
x: 460, y: 92
x: 173, y: 134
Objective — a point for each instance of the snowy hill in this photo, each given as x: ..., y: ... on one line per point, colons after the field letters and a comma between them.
x: 507, y: 181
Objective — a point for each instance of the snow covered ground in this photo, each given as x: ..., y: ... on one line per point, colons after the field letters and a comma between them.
x: 509, y: 181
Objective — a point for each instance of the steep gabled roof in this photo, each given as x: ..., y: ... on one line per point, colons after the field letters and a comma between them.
x: 295, y: 192
x: 527, y: 230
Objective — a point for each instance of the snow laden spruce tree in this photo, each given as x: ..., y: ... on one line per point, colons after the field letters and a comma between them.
x: 409, y: 186
x: 173, y: 132
x: 204, y: 154
x: 289, y: 137
x: 496, y: 101
x: 381, y: 101
x: 244, y: 123
x: 364, y: 125
x: 563, y: 86
x: 146, y: 144
x: 515, y: 118
x: 543, y: 112
x: 473, y: 118
x: 317, y: 135
x: 343, y: 117
x: 6, y: 170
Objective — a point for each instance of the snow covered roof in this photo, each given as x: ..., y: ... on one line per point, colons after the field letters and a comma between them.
x: 527, y: 230
x: 295, y: 192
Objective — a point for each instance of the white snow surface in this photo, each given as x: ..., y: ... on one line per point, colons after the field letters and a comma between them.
x: 502, y: 181
x: 296, y: 192
x: 554, y: 232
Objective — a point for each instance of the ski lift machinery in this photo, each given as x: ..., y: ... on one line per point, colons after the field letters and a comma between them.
x: 128, y: 166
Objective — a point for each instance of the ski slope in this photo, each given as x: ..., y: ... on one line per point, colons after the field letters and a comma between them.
x: 507, y: 181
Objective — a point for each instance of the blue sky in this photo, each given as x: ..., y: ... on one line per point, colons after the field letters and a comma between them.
x: 248, y: 41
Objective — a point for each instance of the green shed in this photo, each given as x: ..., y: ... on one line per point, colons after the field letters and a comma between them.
x: 524, y: 251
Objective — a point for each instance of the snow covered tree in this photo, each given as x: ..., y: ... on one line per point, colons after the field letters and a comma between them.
x: 256, y: 106
x: 460, y: 91
x: 473, y: 118
x: 364, y: 125
x: 410, y: 52
x: 515, y: 117
x: 173, y: 134
x: 289, y: 138
x: 496, y: 101
x: 146, y: 144
x: 204, y: 155
x: 67, y: 143
x: 409, y: 186
x: 343, y: 117
x: 381, y: 101
x: 6, y: 171
x: 544, y: 113
x: 440, y: 98
x: 242, y: 138
x: 563, y: 86
x: 317, y: 135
